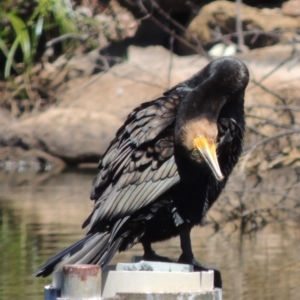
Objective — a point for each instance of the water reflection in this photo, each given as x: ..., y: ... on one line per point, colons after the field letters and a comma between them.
x: 39, y: 215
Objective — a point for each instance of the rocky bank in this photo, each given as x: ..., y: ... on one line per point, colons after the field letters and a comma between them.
x: 90, y: 106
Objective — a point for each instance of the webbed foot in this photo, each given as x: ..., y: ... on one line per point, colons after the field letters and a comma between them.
x: 152, y: 256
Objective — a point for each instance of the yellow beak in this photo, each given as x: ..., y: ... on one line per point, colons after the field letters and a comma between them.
x: 208, y: 152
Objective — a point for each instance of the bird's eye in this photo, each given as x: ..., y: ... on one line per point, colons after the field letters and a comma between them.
x: 196, y: 153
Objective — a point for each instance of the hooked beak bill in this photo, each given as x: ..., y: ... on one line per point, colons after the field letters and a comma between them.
x: 208, y: 152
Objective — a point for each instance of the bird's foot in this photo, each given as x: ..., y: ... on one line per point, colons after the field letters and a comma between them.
x: 152, y: 256
x: 199, y: 267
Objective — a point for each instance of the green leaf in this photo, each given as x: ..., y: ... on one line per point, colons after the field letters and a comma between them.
x: 3, y: 47
x: 22, y: 35
x: 36, y: 32
x: 39, y: 26
x: 10, y: 57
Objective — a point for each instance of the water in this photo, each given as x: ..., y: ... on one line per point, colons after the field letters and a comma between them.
x: 42, y: 213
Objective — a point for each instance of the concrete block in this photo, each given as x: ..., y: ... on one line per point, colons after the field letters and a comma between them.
x: 154, y: 266
x: 207, y: 280
x: 212, y: 295
x: 139, y: 282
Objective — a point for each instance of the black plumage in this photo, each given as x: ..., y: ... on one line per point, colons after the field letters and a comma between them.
x: 165, y: 168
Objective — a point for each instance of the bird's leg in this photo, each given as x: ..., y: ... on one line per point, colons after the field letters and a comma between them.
x: 150, y: 255
x: 187, y: 256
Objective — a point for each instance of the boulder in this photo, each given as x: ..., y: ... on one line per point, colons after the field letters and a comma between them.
x: 90, y: 110
x: 218, y: 18
x: 16, y: 159
x: 72, y: 134
x: 291, y: 8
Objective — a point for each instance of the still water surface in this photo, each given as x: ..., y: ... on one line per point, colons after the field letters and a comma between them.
x: 41, y: 214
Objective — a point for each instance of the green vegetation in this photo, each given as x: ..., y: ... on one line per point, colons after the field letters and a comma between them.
x: 23, y: 24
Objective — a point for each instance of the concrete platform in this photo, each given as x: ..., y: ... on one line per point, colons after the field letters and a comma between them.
x: 133, y: 281
x: 155, y: 278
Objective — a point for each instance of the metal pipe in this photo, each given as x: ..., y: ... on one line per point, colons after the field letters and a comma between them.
x: 81, y: 282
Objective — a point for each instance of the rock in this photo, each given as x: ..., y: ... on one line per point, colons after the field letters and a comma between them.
x: 63, y: 69
x: 90, y: 110
x: 72, y: 134
x: 291, y: 8
x: 123, y: 23
x: 272, y: 108
x: 16, y: 159
x: 219, y: 18
x: 5, y: 117
x: 143, y: 77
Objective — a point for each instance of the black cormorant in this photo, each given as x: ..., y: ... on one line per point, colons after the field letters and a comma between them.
x: 165, y: 168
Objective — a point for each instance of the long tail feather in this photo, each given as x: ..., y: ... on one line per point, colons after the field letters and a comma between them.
x: 92, y: 249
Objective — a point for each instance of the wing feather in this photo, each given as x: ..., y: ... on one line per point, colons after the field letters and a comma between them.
x: 139, y: 165
x: 133, y: 197
x: 133, y: 200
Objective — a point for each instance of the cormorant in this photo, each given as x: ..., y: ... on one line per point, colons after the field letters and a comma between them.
x: 165, y: 168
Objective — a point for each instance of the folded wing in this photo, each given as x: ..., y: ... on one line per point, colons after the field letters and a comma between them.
x: 139, y: 164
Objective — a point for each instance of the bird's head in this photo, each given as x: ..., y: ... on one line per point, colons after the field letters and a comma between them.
x: 198, y: 138
x: 216, y: 91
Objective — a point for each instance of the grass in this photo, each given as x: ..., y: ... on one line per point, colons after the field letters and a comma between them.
x: 20, y: 32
